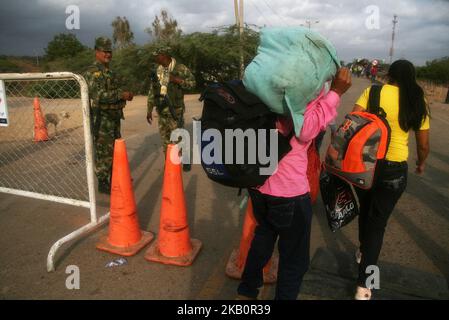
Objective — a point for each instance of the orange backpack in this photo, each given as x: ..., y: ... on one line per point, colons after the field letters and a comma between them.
x: 359, y: 143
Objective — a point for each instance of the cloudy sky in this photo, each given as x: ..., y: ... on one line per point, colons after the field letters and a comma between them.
x: 26, y: 26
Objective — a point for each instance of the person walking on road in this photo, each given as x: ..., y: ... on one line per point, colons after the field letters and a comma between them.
x: 403, y: 101
x: 282, y: 205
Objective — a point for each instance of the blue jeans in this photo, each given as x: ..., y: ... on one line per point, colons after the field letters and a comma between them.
x: 288, y: 219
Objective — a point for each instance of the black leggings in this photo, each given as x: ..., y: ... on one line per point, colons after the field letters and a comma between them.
x: 376, y: 206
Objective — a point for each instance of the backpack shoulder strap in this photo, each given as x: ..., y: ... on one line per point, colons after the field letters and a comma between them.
x: 374, y: 100
x: 237, y: 88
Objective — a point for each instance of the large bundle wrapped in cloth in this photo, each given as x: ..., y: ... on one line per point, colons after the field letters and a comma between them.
x: 290, y: 69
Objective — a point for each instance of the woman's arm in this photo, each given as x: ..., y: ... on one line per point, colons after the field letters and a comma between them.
x: 358, y: 108
x: 423, y: 148
x: 318, y: 116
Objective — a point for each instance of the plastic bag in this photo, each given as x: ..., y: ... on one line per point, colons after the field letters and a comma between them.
x: 340, y: 202
x: 116, y: 263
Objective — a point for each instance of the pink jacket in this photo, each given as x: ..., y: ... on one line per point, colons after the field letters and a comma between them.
x: 290, y: 178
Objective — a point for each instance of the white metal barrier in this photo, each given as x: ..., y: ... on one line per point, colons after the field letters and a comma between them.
x: 61, y: 168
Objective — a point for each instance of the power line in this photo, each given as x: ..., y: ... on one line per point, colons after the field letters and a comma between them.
x: 261, y: 13
x: 271, y: 8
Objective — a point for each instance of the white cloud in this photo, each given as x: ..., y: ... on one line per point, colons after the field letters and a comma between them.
x: 421, y: 32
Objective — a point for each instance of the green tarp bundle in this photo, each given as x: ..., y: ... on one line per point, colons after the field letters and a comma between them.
x: 290, y: 69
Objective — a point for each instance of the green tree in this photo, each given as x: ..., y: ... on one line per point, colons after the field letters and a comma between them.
x: 122, y: 34
x: 436, y: 70
x: 133, y: 69
x: 216, y: 56
x: 6, y: 65
x: 164, y: 28
x: 63, y: 45
x: 211, y: 56
x: 76, y: 64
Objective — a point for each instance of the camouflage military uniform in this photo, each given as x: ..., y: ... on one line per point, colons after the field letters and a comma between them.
x: 174, y: 97
x: 106, y: 113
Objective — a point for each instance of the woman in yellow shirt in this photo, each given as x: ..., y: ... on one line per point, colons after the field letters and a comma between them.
x: 403, y: 101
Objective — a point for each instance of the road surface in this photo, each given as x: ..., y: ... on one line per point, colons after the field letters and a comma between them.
x: 416, y: 243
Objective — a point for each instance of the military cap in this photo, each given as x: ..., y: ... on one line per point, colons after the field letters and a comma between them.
x: 162, y: 49
x: 103, y: 44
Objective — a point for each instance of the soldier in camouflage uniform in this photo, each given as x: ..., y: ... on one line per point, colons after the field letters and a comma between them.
x: 107, y: 101
x: 168, y: 82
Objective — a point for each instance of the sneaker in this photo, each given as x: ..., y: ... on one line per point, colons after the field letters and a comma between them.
x: 259, y: 295
x: 362, y: 294
x: 358, y: 256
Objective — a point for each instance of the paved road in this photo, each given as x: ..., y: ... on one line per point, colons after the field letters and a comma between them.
x: 416, y: 242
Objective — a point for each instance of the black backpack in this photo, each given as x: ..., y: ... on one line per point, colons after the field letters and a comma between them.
x: 230, y: 106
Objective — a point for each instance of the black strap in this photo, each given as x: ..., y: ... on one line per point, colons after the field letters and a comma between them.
x: 173, y: 111
x: 238, y: 90
x: 374, y: 101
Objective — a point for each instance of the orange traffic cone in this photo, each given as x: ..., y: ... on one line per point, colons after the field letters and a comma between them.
x: 125, y: 238
x: 174, y: 245
x: 40, y: 130
x: 237, y: 260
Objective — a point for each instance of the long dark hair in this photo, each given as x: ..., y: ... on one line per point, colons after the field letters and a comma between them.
x: 413, y: 108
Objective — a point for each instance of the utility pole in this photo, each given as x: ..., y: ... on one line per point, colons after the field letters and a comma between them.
x: 395, y: 21
x: 309, y: 23
x: 238, y: 8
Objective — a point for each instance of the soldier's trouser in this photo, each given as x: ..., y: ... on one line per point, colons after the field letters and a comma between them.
x: 107, y: 130
x: 167, y: 124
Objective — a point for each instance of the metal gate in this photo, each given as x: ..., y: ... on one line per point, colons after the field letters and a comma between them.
x: 46, y: 144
